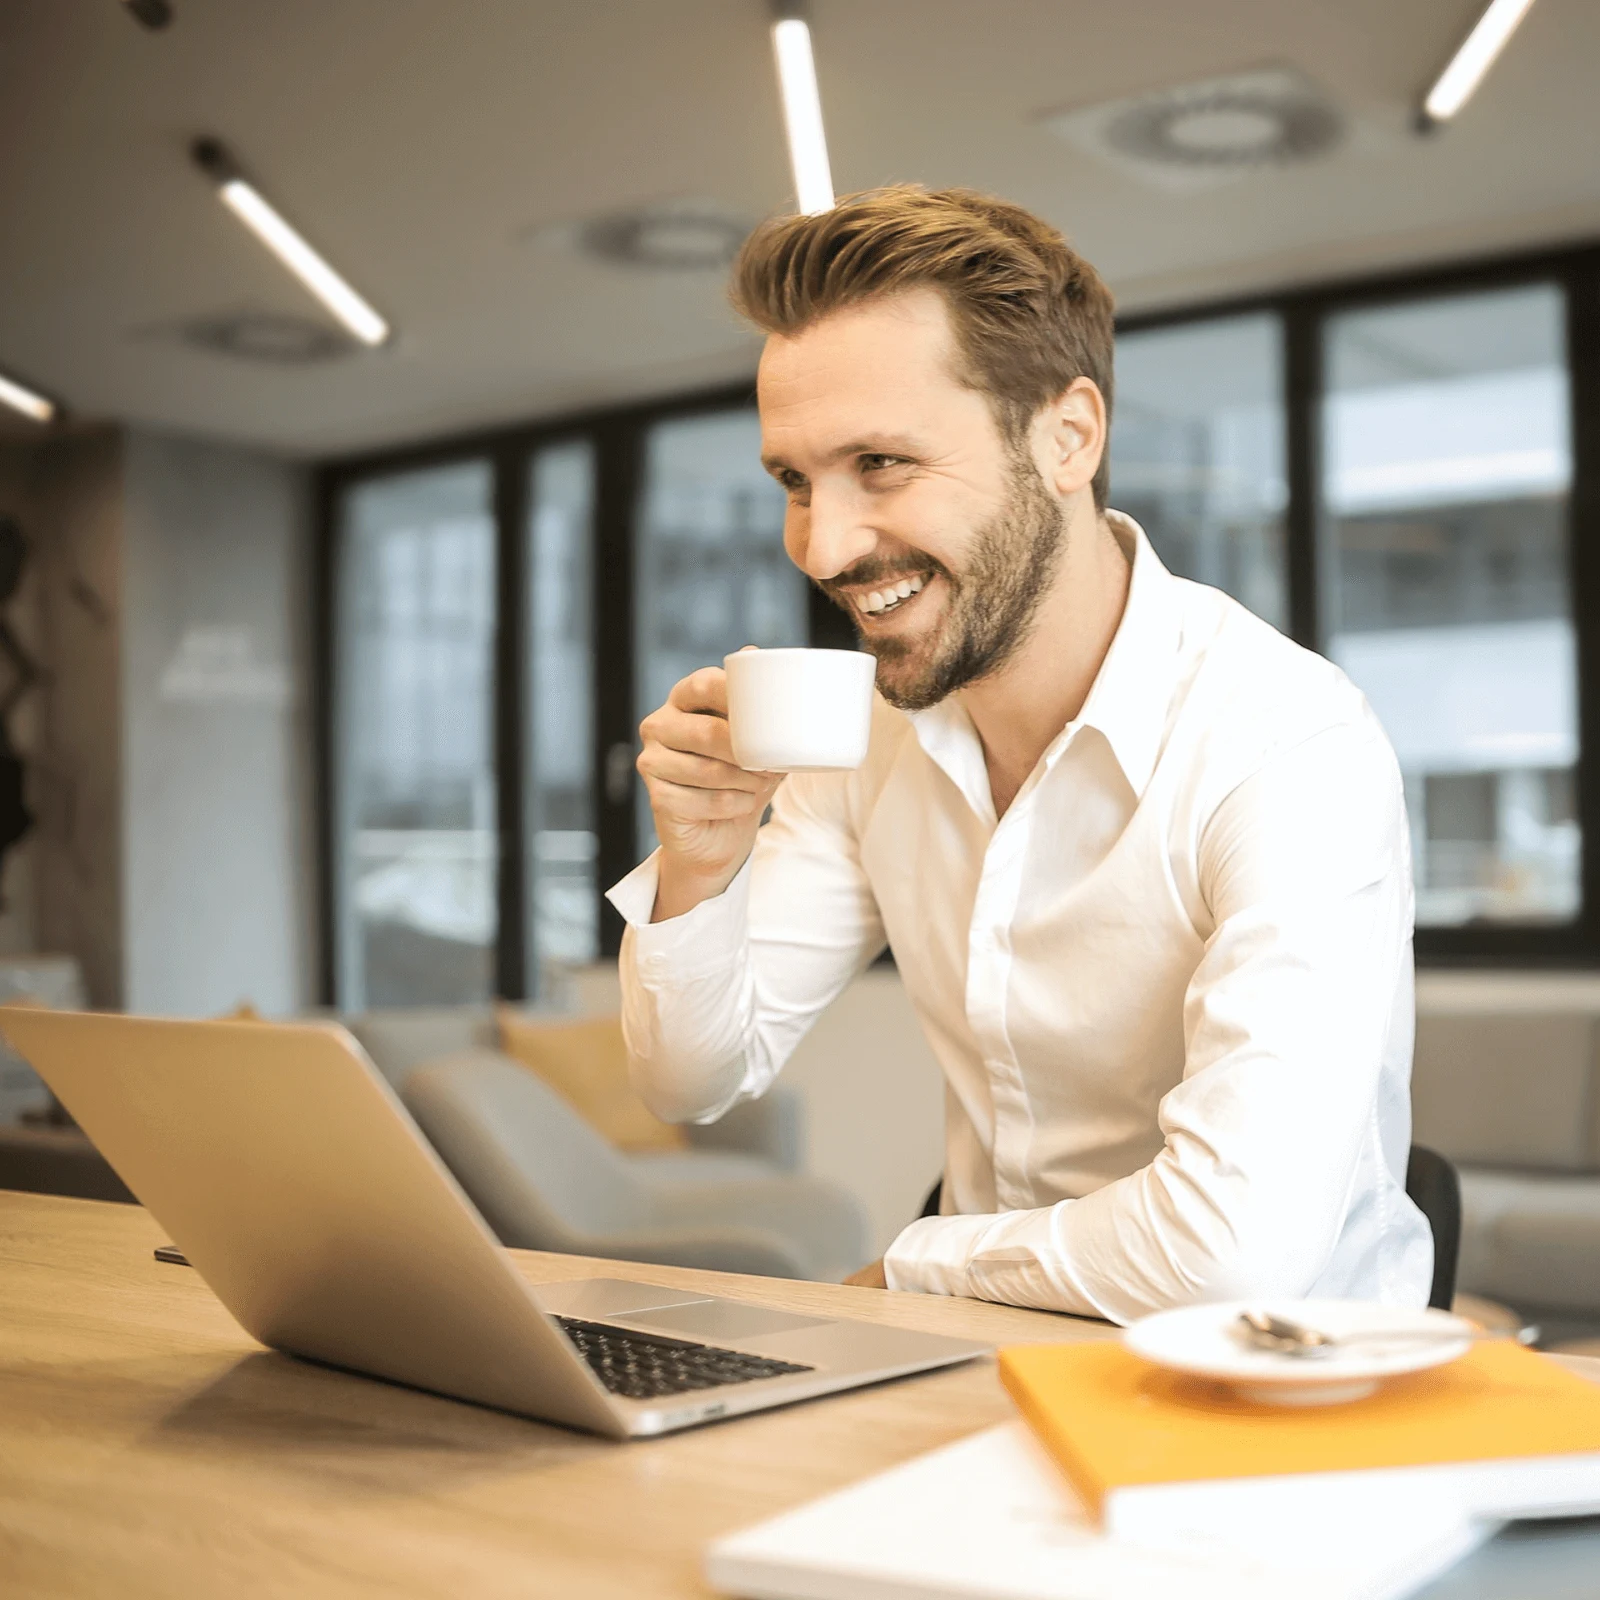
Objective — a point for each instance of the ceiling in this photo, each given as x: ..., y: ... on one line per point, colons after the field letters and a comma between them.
x: 434, y: 148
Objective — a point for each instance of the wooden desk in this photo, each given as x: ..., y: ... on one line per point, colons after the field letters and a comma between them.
x: 149, y: 1447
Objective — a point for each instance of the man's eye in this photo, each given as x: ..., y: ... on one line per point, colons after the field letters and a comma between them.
x: 877, y: 463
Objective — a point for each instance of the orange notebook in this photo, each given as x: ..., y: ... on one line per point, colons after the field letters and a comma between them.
x: 1503, y: 1432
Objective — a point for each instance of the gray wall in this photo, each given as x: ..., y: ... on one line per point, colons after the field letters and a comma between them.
x: 63, y: 884
x: 18, y: 874
x: 216, y: 821
x: 168, y: 747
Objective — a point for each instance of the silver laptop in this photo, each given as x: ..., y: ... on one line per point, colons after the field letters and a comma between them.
x: 282, y: 1165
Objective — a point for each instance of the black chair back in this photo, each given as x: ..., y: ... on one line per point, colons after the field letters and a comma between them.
x: 1436, y: 1191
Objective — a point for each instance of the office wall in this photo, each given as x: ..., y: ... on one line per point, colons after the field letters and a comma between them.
x: 216, y: 818
x: 64, y: 887
x: 18, y: 911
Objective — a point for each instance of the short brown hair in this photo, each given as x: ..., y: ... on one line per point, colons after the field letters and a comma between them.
x: 1030, y: 314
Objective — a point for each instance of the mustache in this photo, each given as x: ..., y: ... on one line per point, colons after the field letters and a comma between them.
x: 873, y: 571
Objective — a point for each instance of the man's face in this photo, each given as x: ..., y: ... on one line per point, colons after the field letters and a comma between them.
x: 906, y: 505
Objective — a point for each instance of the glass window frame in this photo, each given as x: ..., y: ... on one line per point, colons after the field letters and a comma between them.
x: 618, y: 434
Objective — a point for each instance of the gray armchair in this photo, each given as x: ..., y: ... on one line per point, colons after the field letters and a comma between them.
x: 545, y: 1180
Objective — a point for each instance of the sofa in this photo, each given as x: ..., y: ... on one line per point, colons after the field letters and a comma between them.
x: 1506, y: 1083
x: 728, y: 1196
x: 759, y: 1139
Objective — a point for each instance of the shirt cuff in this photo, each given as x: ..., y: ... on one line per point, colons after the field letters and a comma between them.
x: 931, y: 1256
x: 704, y: 939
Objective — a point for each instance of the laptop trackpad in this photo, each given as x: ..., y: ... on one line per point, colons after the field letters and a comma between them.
x: 725, y: 1320
x: 603, y: 1298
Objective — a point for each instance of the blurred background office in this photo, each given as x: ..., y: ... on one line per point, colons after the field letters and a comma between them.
x: 380, y: 448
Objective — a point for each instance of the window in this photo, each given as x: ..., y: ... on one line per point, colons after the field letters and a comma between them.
x: 1197, y: 447
x: 415, y: 842
x: 712, y: 573
x: 562, y: 894
x: 1403, y: 474
x: 1447, y: 465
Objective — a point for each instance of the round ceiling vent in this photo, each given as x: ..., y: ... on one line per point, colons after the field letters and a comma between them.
x: 1225, y: 128
x: 670, y: 238
x: 266, y: 336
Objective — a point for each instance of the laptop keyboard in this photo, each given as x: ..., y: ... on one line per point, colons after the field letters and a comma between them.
x: 645, y: 1366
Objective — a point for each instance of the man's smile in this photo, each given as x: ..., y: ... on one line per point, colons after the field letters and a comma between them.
x: 887, y: 597
x: 873, y: 603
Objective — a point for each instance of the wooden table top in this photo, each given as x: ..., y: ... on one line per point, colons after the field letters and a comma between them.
x: 148, y: 1446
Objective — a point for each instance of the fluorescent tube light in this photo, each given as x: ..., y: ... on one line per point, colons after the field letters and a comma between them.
x: 802, y: 115
x: 263, y: 219
x: 1469, y: 65
x: 26, y: 401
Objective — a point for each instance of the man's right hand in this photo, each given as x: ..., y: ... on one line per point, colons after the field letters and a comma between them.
x: 707, y: 808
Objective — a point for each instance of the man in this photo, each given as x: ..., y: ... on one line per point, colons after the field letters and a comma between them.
x: 1142, y: 862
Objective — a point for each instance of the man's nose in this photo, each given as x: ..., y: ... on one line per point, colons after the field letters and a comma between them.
x: 835, y: 536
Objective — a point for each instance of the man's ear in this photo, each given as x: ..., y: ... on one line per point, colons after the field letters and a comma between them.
x: 1072, y: 437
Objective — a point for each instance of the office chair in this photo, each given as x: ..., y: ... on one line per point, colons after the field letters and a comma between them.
x: 1435, y: 1190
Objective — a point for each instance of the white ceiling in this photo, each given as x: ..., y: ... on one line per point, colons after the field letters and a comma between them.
x: 424, y: 144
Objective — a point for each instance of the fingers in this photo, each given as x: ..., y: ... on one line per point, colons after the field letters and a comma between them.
x: 704, y: 691
x: 699, y: 733
x: 686, y: 804
x: 695, y: 771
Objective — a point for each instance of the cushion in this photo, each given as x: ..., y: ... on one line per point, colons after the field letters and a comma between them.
x: 1532, y: 1240
x: 586, y: 1063
x: 1505, y: 1089
x: 403, y: 1038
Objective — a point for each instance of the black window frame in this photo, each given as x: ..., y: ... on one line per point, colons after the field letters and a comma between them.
x: 618, y: 435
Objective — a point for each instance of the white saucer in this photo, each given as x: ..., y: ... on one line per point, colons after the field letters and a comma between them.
x: 1199, y: 1340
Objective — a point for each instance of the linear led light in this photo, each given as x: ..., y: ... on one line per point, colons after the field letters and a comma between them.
x: 23, y: 399
x: 258, y: 214
x: 802, y: 114
x: 1471, y: 62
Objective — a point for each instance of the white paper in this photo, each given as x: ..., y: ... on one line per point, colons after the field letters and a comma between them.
x: 991, y: 1516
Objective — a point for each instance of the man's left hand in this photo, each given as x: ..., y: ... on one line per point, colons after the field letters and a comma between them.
x: 869, y: 1277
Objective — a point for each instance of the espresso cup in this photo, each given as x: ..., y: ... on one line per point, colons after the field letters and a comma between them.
x: 799, y: 710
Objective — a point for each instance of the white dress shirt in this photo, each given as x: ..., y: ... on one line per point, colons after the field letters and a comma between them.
x: 1170, y: 989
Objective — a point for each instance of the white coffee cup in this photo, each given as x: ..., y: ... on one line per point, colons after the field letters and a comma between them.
x: 799, y: 710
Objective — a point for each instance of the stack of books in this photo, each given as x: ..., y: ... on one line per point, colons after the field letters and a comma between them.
x: 1125, y: 1480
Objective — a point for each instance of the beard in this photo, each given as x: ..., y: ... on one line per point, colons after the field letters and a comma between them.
x: 993, y: 604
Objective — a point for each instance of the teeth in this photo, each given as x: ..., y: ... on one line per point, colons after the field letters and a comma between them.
x: 886, y: 599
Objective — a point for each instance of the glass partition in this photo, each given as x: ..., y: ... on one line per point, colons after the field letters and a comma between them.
x: 415, y: 841
x: 1446, y: 466
x: 563, y: 926
x: 1197, y: 453
x: 712, y: 573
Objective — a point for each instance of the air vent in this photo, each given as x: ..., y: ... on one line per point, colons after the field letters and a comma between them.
x: 675, y: 236
x: 265, y: 336
x: 1209, y: 132
x: 678, y: 235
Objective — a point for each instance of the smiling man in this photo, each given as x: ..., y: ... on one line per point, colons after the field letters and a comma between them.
x: 1143, y: 862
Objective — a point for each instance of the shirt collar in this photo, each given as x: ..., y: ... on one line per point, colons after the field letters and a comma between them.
x: 1130, y: 696
x: 1127, y: 702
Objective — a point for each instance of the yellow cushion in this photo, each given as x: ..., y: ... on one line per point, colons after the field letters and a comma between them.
x: 586, y: 1063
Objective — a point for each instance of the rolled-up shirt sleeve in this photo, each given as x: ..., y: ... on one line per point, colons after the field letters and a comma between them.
x: 714, y: 1001
x: 1304, y: 870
